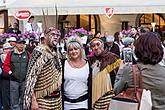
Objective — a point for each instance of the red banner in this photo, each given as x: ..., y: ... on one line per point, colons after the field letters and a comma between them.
x: 109, y: 12
x: 22, y: 14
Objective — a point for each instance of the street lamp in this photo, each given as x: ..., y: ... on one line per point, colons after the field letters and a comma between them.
x: 153, y: 26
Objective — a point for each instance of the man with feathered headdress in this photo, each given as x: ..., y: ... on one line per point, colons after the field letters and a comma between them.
x: 44, y: 76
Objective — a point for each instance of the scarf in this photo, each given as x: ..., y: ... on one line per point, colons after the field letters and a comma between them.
x: 106, y: 58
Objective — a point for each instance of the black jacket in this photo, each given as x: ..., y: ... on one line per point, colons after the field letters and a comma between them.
x: 11, y: 30
x: 114, y: 49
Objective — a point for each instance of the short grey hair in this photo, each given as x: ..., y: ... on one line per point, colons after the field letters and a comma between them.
x: 110, y: 38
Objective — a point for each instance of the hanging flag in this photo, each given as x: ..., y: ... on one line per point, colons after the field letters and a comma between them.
x: 109, y: 12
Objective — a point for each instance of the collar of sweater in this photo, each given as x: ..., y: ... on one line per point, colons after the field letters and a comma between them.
x: 18, y: 52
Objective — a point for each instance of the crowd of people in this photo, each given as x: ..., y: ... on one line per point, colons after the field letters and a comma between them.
x: 64, y: 74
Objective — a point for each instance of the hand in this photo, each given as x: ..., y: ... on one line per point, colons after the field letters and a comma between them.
x: 122, y: 65
x: 10, y: 72
x: 34, y: 105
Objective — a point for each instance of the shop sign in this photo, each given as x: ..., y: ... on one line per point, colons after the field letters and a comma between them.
x: 22, y: 14
x: 109, y: 12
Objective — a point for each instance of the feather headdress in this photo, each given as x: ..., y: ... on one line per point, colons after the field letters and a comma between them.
x: 52, y: 28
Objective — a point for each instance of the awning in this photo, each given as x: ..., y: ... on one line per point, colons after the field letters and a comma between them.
x: 73, y: 7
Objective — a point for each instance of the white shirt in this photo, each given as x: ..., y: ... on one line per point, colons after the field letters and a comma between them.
x: 75, y: 85
x: 121, y: 46
x: 28, y: 27
x: 162, y: 62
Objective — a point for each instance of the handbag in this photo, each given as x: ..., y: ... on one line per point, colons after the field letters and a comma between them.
x: 130, y: 98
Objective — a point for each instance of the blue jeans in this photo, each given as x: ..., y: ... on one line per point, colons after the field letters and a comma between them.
x: 16, y: 95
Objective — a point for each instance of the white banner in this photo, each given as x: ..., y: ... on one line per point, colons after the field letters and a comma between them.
x: 73, y: 7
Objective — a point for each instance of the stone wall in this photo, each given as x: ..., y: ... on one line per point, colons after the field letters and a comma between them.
x: 114, y: 23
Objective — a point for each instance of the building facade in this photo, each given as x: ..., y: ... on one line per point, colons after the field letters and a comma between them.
x: 90, y: 15
x: 94, y: 23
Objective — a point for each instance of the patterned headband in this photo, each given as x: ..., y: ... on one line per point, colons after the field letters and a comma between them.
x: 73, y: 40
x: 53, y: 29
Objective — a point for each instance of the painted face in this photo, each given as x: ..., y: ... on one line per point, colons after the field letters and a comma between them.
x: 74, y: 52
x: 97, y: 47
x: 52, y: 38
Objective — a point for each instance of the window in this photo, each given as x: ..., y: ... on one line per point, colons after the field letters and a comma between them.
x: 88, y: 22
x: 147, y: 19
x: 3, y: 21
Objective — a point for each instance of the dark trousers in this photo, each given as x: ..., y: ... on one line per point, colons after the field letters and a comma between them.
x: 5, y: 90
x: 16, y: 95
x: 0, y: 96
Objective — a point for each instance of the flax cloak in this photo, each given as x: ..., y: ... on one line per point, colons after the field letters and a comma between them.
x: 102, y: 90
x: 43, y: 77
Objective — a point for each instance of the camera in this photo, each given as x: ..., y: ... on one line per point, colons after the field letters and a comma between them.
x: 128, y: 55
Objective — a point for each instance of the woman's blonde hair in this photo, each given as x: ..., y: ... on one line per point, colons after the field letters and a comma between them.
x: 74, y: 41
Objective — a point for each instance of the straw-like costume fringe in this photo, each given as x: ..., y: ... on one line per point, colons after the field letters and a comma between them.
x: 102, y: 87
x: 50, y: 104
x: 103, y: 102
x: 43, y: 76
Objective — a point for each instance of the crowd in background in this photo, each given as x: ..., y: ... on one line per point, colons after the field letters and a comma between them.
x: 72, y: 75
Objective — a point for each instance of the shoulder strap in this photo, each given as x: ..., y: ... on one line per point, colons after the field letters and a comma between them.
x: 134, y: 76
x: 140, y: 76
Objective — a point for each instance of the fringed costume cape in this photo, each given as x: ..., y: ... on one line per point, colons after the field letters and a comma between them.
x: 44, y: 76
x: 102, y: 90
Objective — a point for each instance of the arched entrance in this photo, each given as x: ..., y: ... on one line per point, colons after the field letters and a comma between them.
x: 145, y: 20
x: 88, y: 22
